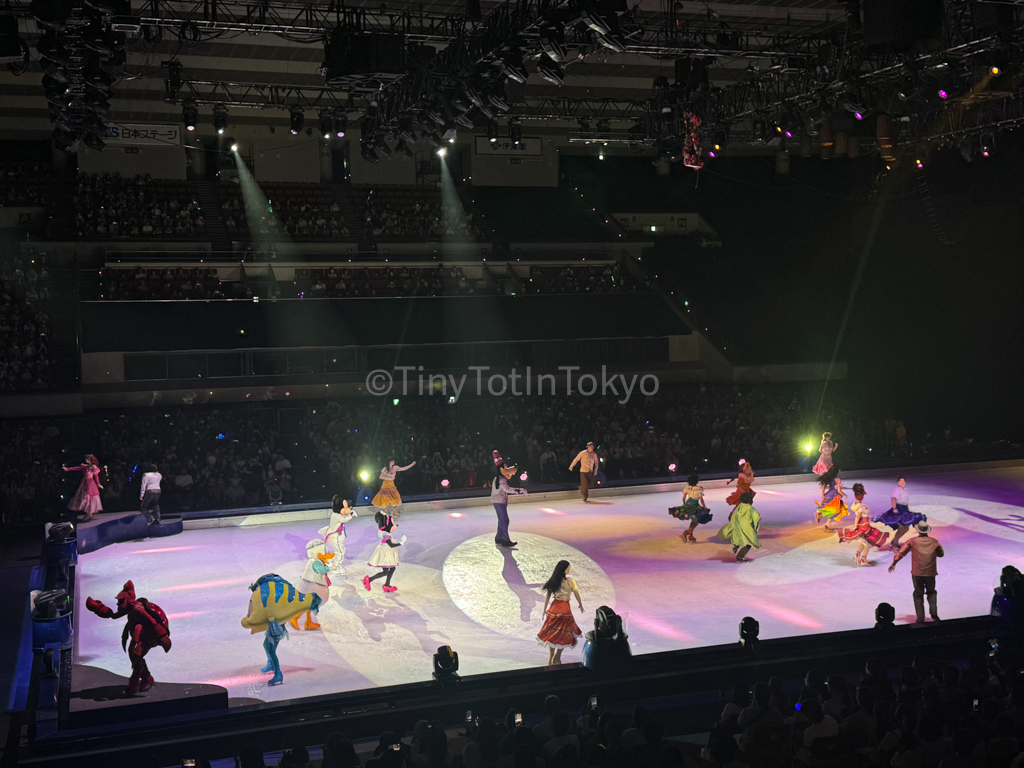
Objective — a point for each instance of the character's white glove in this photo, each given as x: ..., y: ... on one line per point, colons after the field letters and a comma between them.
x: 403, y: 539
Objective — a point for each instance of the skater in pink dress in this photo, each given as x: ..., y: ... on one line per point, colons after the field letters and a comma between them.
x: 87, y: 497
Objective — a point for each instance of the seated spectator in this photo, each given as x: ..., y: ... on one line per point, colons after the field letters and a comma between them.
x: 560, y: 728
x: 757, y: 719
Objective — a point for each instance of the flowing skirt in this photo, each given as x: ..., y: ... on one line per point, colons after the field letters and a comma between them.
x: 902, y: 516
x: 734, y: 498
x: 83, y: 502
x: 691, y: 510
x: 560, y: 629
x: 384, y: 557
x: 741, y: 530
x: 835, y: 509
x: 387, y: 496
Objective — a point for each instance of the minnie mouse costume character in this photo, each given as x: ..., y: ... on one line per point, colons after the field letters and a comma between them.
x: 500, y: 490
x: 384, y: 556
x: 147, y: 627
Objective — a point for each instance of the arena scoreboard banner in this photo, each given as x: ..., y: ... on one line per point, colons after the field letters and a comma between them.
x: 528, y: 147
x: 131, y: 134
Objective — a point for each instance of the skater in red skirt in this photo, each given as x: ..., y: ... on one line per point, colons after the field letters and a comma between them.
x: 560, y: 629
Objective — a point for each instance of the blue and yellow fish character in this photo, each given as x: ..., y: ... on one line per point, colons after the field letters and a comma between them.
x: 273, y: 602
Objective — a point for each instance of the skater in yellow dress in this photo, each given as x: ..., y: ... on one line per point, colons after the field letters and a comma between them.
x: 388, y: 496
x: 741, y: 530
x: 693, y: 510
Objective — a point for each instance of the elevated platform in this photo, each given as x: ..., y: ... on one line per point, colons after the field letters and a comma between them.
x: 113, y: 528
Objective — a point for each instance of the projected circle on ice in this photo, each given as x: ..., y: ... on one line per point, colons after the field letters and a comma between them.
x: 500, y: 588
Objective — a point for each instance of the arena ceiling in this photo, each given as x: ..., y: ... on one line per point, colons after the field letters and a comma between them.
x: 762, y: 58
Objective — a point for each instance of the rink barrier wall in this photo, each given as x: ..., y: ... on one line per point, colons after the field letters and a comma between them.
x: 304, y: 512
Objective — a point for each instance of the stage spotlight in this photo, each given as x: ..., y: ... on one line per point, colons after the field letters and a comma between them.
x: 809, y: 447
x: 492, y: 132
x: 885, y: 615
x: 552, y: 73
x: 445, y: 483
x: 607, y: 646
x: 515, y: 134
x: 364, y: 475
x: 442, y: 151
x: 340, y: 125
x: 233, y: 145
x: 943, y: 93
x: 524, y: 477
x: 671, y: 467
x: 220, y: 118
x: 403, y: 149
x: 446, y: 664
x: 552, y: 42
x: 326, y: 124
x: 749, y: 629
x: 189, y: 115
x: 297, y: 119
x: 512, y: 67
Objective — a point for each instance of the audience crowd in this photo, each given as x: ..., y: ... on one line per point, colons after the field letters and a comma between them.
x: 382, y: 281
x: 695, y: 428
x: 24, y: 184
x: 109, y: 206
x: 301, y: 212
x: 140, y: 283
x: 960, y: 713
x: 24, y: 326
x: 416, y: 215
x: 575, y: 279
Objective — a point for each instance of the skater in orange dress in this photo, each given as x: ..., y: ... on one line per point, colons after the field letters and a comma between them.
x: 831, y: 507
x: 560, y: 630
x: 744, y: 480
x: 388, y: 496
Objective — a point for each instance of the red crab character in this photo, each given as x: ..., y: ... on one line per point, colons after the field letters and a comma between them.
x: 147, y: 627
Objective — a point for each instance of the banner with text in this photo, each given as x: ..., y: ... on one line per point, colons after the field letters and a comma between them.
x: 527, y: 147
x: 132, y: 134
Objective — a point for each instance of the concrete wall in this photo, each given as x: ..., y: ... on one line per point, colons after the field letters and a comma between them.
x: 286, y: 159
x: 496, y: 170
x: 160, y: 162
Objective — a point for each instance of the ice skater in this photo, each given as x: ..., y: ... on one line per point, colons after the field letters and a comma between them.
x: 899, y: 517
x: 333, y: 533
x: 831, y: 507
x: 589, y: 464
x: 825, y: 450
x: 385, y: 556
x: 149, y: 495
x: 272, y: 604
x: 693, y: 509
x: 741, y: 528
x: 923, y: 550
x: 500, y: 490
x: 559, y: 630
x: 315, y: 580
x: 87, y: 497
x: 744, y: 481
x: 388, y: 495
x: 866, y: 535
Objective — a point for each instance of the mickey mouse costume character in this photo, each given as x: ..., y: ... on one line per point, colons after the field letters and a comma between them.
x: 147, y: 627
x: 500, y: 490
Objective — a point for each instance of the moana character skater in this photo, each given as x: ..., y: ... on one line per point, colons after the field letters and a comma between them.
x: 147, y: 628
